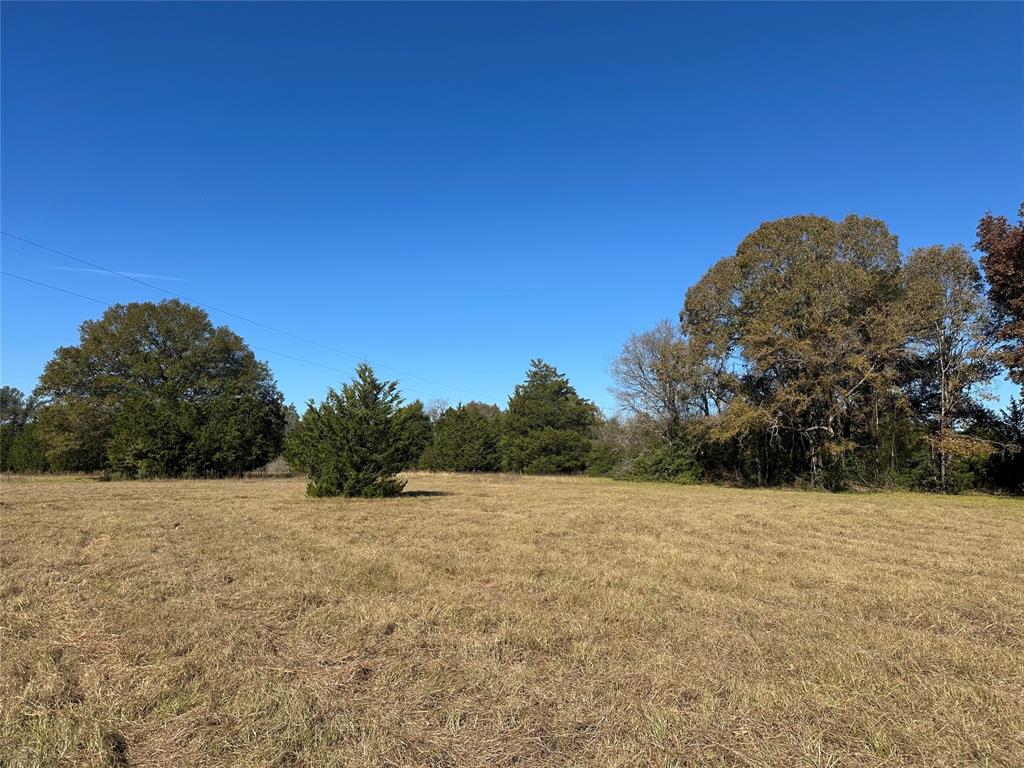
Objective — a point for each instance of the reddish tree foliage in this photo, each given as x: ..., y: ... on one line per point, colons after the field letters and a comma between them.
x: 1002, y: 244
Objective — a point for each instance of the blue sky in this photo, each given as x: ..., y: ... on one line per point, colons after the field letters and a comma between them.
x: 452, y: 190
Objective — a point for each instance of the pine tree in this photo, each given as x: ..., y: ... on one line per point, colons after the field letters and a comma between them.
x: 547, y: 426
x: 357, y: 440
x: 466, y: 439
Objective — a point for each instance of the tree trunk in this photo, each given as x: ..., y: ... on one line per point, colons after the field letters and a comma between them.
x: 942, y: 422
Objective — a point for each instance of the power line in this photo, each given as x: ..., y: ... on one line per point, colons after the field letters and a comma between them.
x: 55, y: 288
x: 235, y: 315
x: 252, y: 346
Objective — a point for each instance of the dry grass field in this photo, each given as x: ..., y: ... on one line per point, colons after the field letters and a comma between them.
x: 499, y: 621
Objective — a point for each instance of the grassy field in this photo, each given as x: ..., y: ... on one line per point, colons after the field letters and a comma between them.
x: 499, y: 621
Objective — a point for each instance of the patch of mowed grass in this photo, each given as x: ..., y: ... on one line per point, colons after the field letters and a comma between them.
x: 502, y: 621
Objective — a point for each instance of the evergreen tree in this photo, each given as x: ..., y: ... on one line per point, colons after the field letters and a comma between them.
x: 26, y: 452
x: 357, y: 440
x: 466, y: 439
x: 413, y: 424
x: 15, y: 414
x: 547, y: 426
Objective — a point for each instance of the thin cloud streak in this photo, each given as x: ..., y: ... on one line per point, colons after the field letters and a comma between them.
x: 111, y: 274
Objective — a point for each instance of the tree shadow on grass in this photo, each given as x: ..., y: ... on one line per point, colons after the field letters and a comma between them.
x: 412, y: 494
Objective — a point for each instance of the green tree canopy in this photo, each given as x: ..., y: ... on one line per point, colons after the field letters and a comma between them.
x: 157, y: 390
x: 357, y: 440
x: 466, y: 439
x: 15, y: 414
x: 547, y: 426
x: 413, y: 424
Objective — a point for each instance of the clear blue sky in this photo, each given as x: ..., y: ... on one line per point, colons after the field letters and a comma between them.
x: 454, y: 189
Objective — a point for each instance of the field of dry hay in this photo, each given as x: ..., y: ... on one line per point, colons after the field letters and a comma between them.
x: 497, y: 621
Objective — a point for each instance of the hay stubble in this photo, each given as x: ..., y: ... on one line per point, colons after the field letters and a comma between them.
x: 498, y: 621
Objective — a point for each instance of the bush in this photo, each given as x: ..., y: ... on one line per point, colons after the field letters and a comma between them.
x: 604, y: 460
x: 635, y: 449
x: 665, y: 463
x: 25, y: 452
x: 357, y: 440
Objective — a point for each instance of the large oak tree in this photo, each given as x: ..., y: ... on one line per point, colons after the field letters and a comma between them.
x: 803, y: 326
x: 158, y: 390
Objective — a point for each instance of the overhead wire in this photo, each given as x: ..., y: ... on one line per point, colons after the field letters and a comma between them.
x: 235, y: 315
x: 252, y: 346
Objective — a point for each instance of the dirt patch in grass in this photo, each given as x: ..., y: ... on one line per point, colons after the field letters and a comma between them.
x: 504, y: 621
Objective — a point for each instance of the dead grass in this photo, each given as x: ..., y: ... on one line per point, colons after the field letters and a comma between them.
x: 499, y: 621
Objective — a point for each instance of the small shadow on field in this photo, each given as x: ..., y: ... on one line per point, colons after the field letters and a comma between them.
x: 411, y: 494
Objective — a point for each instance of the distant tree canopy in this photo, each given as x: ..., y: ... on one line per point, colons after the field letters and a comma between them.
x: 18, y: 448
x: 816, y: 353
x: 417, y: 432
x: 547, y: 426
x: 157, y: 390
x: 466, y: 439
x: 357, y: 440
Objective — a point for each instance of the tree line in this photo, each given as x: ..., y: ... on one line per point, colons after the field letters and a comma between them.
x: 817, y: 354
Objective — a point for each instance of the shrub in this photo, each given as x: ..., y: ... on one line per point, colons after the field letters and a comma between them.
x: 25, y: 452
x: 356, y: 441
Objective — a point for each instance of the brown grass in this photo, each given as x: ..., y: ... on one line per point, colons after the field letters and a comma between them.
x: 498, y: 621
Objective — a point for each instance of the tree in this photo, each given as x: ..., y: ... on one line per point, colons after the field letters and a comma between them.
x: 157, y: 390
x: 547, y: 425
x: 413, y: 423
x: 466, y: 439
x: 25, y: 452
x: 666, y: 390
x: 659, y: 379
x: 357, y: 440
x: 15, y: 413
x: 801, y: 330
x: 1002, y: 246
x: 15, y: 409
x: 1005, y: 468
x: 291, y: 418
x: 950, y: 340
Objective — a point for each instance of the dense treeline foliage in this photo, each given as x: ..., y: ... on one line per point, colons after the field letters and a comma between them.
x: 466, y: 439
x: 817, y: 354
x: 356, y: 441
x: 152, y: 390
x: 20, y: 447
